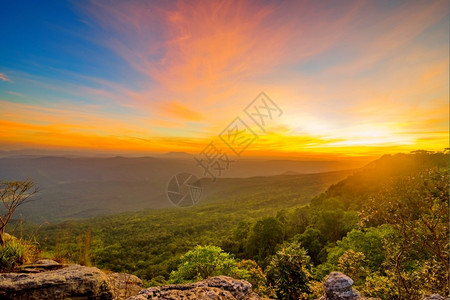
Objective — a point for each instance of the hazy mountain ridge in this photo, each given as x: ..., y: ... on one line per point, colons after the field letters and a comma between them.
x: 352, y: 191
x: 75, y: 187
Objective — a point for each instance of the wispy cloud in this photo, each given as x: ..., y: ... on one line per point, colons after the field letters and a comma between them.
x: 388, y: 38
x: 16, y: 94
x: 4, y: 77
x: 198, y: 51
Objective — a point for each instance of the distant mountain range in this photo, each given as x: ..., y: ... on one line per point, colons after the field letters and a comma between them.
x: 79, y: 187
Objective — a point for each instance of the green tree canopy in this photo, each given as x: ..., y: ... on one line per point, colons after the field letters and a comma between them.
x: 290, y: 271
x: 203, y: 262
x: 263, y: 239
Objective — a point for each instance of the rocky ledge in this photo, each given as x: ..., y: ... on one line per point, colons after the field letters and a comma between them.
x: 214, y: 288
x: 47, y: 279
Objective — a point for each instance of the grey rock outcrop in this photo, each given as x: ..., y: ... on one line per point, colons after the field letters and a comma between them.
x: 66, y: 282
x: 338, y: 286
x: 214, y: 288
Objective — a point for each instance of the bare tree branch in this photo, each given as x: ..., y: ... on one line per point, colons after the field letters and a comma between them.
x: 12, y: 195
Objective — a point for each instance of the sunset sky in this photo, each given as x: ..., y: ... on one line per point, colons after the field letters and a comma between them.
x: 352, y: 78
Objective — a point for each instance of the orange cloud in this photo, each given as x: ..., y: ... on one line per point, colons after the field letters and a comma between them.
x: 201, y: 51
x: 181, y: 111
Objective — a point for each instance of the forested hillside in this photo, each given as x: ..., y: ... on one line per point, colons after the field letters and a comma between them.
x: 157, y: 237
x: 386, y: 226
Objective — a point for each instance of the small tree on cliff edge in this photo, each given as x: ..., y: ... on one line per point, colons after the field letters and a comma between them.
x: 12, y: 195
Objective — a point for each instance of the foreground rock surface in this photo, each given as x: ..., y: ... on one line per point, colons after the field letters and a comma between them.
x: 47, y: 279
x: 67, y: 282
x: 219, y: 287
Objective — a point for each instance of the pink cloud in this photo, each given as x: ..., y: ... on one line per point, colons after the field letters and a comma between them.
x: 195, y: 50
x: 4, y: 77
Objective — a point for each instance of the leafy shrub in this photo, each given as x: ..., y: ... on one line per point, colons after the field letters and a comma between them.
x: 253, y: 273
x: 203, y: 262
x: 351, y: 264
x: 316, y: 289
x: 432, y: 277
x: 290, y: 272
x: 378, y: 286
x: 369, y: 242
x: 155, y: 281
x: 206, y: 261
